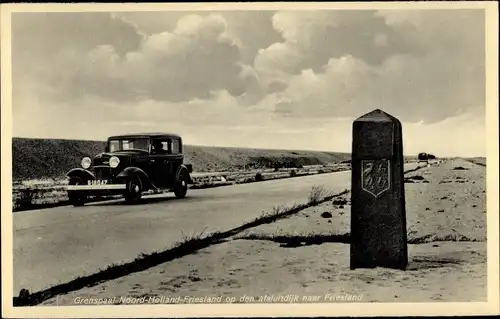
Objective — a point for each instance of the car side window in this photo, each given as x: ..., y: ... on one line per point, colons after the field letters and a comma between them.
x: 176, y: 149
x: 114, y: 146
x: 125, y: 145
x: 165, y: 146
x: 139, y: 144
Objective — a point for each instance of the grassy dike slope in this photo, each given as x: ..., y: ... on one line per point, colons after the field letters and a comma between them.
x: 51, y: 158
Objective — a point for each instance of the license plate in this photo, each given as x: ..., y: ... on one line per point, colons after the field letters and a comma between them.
x: 97, y: 182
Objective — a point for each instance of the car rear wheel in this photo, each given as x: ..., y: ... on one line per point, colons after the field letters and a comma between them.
x: 77, y: 198
x: 133, y: 192
x: 181, y: 185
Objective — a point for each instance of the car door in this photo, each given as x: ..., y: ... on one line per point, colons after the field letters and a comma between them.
x: 175, y: 158
x: 159, y: 164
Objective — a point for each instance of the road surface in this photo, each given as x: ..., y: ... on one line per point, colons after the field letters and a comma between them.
x: 53, y: 246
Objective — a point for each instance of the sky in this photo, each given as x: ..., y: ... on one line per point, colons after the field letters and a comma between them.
x: 260, y: 79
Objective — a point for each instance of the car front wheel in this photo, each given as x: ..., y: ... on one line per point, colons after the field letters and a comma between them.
x: 133, y: 192
x: 181, y: 186
x: 77, y: 198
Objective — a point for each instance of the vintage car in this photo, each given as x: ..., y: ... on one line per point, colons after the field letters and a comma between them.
x: 130, y: 165
x: 425, y: 157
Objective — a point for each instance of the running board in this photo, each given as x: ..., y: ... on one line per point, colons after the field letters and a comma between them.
x: 96, y: 187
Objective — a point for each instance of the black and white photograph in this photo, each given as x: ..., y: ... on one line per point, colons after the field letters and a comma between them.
x: 268, y: 158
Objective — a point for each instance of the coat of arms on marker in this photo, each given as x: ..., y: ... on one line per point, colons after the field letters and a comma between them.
x: 375, y: 177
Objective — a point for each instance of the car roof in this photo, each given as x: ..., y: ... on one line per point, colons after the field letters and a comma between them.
x: 139, y: 135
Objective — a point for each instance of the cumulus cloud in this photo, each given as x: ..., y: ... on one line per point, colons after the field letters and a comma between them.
x: 193, y: 60
x: 311, y: 38
x: 410, y: 87
x: 251, y: 30
x: 421, y: 65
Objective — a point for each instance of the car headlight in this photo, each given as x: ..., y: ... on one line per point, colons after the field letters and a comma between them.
x: 114, y: 161
x: 86, y: 162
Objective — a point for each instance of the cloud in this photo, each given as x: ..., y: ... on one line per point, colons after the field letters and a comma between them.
x: 266, y: 77
x: 251, y: 30
x: 40, y: 39
x: 349, y: 87
x: 222, y: 121
x: 419, y: 65
x: 48, y: 47
x: 314, y: 37
x: 193, y: 60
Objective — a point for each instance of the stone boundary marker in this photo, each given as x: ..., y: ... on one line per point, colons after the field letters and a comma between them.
x: 378, y: 215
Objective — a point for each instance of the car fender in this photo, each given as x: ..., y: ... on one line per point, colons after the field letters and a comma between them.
x: 183, y: 169
x: 82, y: 173
x: 135, y: 171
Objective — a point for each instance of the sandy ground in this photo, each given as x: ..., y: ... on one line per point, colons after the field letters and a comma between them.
x: 304, y: 256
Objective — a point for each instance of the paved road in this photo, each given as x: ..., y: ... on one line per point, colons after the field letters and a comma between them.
x: 53, y: 246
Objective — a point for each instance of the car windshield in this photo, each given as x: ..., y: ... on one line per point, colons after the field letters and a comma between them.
x: 129, y: 143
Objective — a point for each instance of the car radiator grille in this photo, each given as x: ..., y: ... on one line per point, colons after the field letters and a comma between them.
x: 100, y: 161
x: 102, y: 173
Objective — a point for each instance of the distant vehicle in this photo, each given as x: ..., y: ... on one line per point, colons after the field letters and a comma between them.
x: 425, y: 157
x: 130, y: 165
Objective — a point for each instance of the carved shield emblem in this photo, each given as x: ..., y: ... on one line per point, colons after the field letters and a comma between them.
x: 375, y: 178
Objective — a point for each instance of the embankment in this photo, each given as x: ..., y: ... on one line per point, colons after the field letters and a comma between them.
x: 51, y: 158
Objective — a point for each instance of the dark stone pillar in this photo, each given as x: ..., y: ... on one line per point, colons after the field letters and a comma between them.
x: 378, y: 215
